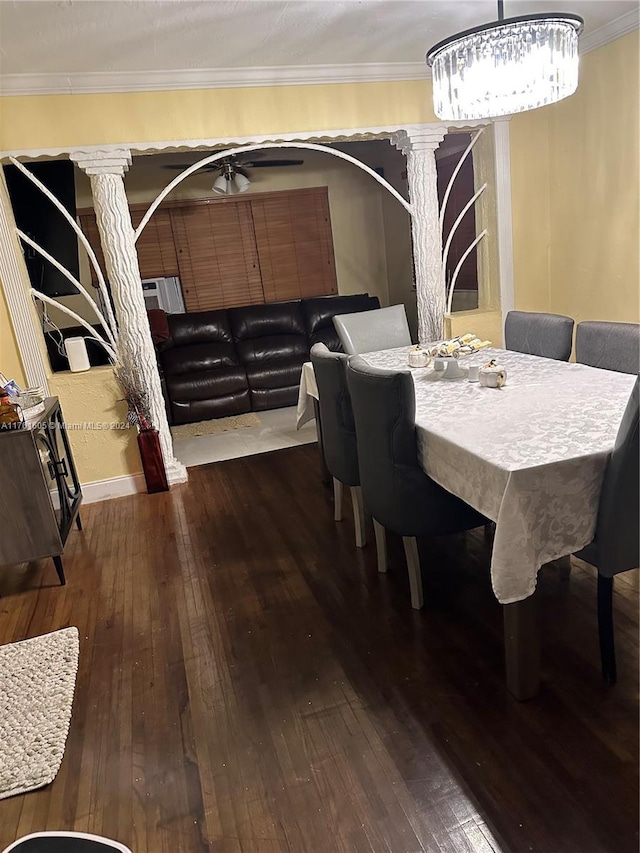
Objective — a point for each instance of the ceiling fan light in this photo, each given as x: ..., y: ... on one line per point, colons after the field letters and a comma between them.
x: 220, y: 185
x: 242, y: 183
x: 506, y: 66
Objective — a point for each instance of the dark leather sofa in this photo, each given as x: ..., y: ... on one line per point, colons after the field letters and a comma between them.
x: 219, y: 363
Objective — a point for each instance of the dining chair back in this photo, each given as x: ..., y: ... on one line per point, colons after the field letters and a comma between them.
x: 546, y: 335
x: 367, y: 331
x: 397, y: 492
x: 56, y: 841
x: 610, y: 346
x: 338, y: 431
x: 616, y: 545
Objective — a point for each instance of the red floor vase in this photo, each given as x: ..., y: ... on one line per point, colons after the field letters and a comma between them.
x: 152, y: 461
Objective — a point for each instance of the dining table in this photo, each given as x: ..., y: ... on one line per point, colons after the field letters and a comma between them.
x: 530, y: 456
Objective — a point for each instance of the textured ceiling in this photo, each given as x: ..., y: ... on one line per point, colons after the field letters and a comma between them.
x: 81, y: 36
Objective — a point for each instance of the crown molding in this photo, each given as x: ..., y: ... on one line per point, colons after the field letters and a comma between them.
x: 610, y: 32
x: 99, y: 82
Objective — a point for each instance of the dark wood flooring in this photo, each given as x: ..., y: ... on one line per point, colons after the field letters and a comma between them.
x: 248, y: 683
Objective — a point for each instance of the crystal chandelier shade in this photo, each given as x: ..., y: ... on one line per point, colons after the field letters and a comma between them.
x: 505, y: 67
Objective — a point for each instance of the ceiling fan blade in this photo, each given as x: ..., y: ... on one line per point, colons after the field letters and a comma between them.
x: 255, y: 164
x: 182, y: 166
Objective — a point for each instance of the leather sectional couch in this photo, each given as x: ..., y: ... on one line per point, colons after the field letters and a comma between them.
x: 219, y: 363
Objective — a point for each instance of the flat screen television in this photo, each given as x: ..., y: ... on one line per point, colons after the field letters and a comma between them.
x: 39, y: 218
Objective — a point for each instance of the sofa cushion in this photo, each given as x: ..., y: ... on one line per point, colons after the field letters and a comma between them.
x: 259, y: 321
x: 200, y: 327
x: 214, y: 407
x: 319, y: 311
x: 274, y: 374
x: 273, y: 348
x: 197, y: 357
x: 273, y: 398
x: 206, y: 384
x: 328, y: 337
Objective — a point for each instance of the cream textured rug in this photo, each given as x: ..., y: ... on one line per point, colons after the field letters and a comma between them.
x: 37, y: 680
x: 215, y: 426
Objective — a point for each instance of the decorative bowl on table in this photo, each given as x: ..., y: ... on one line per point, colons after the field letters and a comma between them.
x: 447, y: 354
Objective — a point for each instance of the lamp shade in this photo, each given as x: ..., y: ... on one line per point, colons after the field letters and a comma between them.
x: 242, y: 183
x: 220, y: 185
x: 506, y: 66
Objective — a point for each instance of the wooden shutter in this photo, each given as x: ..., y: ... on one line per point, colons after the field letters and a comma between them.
x: 90, y: 227
x: 156, y: 249
x: 217, y: 258
x: 155, y: 246
x: 295, y: 244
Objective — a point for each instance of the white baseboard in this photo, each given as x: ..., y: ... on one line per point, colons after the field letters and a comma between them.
x: 116, y: 487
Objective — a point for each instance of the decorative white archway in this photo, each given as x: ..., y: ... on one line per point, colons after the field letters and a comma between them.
x: 432, y: 299
x: 106, y: 165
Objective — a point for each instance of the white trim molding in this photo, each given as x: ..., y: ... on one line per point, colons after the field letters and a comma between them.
x: 116, y: 487
x: 355, y: 134
x: 100, y: 82
x: 610, y: 32
x: 502, y: 154
x: 164, y: 80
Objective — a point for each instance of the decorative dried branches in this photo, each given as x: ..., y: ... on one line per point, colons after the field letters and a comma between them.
x: 135, y: 396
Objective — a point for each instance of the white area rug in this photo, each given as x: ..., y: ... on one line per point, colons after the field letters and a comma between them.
x: 37, y: 680
x: 215, y: 426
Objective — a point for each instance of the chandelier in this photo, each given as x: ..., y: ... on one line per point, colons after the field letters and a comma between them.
x: 506, y: 66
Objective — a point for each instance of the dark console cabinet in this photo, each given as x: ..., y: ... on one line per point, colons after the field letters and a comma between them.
x: 40, y: 494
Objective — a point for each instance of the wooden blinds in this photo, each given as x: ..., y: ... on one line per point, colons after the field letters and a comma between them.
x: 156, y: 249
x: 269, y: 247
x: 295, y: 246
x: 155, y: 246
x: 217, y: 255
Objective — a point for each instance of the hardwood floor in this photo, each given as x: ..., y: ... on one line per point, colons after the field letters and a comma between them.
x: 248, y: 683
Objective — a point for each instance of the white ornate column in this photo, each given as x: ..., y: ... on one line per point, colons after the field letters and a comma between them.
x: 106, y: 172
x: 419, y: 145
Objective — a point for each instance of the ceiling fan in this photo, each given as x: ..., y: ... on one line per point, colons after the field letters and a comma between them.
x: 232, y: 177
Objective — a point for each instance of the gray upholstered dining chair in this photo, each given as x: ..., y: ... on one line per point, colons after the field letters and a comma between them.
x: 616, y: 545
x: 610, y: 346
x: 546, y: 335
x: 338, y: 433
x: 397, y: 492
x: 367, y: 331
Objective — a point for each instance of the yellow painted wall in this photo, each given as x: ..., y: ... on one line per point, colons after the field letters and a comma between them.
x: 487, y: 325
x: 576, y: 197
x: 50, y: 121
x: 94, y: 397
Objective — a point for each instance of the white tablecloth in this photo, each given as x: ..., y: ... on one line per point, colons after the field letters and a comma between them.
x: 308, y: 392
x: 530, y: 456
